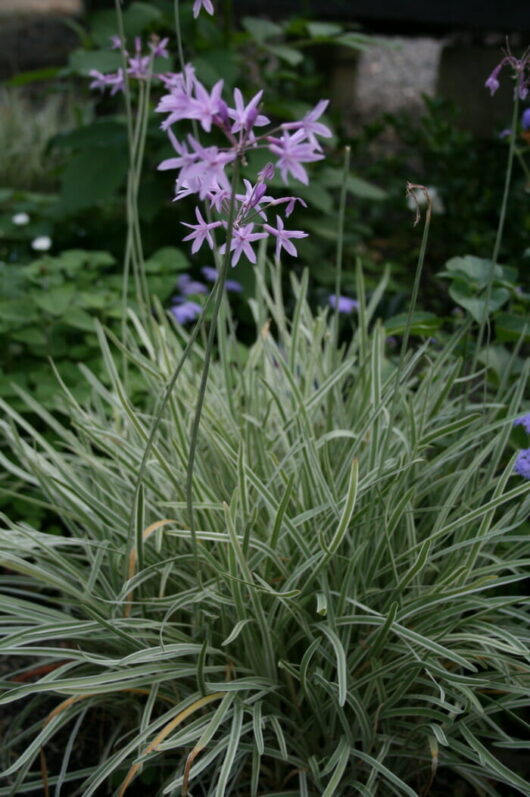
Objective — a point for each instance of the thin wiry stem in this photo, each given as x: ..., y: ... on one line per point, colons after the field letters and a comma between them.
x: 412, y: 304
x: 219, y: 292
x: 340, y: 236
x: 178, y: 34
x: 485, y: 322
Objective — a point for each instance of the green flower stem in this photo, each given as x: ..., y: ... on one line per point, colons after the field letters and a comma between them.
x: 143, y: 119
x: 219, y: 293
x: 136, y: 136
x: 485, y: 323
x: 197, y: 329
x: 340, y: 237
x: 408, y: 325
x: 127, y: 93
x: 338, y: 269
x: 178, y: 35
x: 130, y: 139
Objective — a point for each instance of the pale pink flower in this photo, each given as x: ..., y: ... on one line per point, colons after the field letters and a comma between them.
x: 282, y: 238
x: 198, y: 5
x: 292, y: 151
x: 208, y: 170
x: 201, y: 232
x: 246, y: 117
x: 310, y: 126
x: 242, y: 238
x: 204, y: 107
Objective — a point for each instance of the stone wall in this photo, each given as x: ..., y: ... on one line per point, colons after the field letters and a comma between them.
x: 33, y: 34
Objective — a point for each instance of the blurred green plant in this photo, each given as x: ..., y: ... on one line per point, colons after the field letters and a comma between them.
x: 27, y: 125
x: 467, y: 173
x: 48, y: 309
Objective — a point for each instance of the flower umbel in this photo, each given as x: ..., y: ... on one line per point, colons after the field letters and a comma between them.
x: 202, y: 169
x: 520, y: 70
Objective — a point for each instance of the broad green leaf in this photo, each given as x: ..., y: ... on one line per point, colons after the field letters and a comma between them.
x: 365, y: 190
x: 78, y: 318
x: 512, y: 327
x: 56, y: 300
x: 215, y: 64
x: 89, y: 178
x: 496, y: 357
x: 261, y: 29
x: 15, y: 313
x: 101, y: 133
x: 316, y: 196
x: 82, y: 61
x: 103, y: 25
x: 355, y: 185
x: 464, y: 295
x: 288, y: 54
x: 474, y: 269
x: 140, y: 16
x: 323, y: 30
x: 356, y: 41
x: 32, y: 336
x: 167, y: 259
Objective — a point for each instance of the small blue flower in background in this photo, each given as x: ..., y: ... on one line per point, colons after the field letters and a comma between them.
x: 522, y: 463
x: 343, y: 303
x: 211, y: 275
x: 187, y: 285
x: 523, y: 421
x: 185, y: 311
x: 525, y: 119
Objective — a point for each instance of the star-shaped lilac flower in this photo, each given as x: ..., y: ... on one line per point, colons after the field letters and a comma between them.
x: 178, y: 105
x: 282, y: 238
x: 310, y: 126
x: 246, y: 117
x: 241, y: 243
x: 207, y: 172
x: 115, y: 81
x: 159, y: 48
x: 292, y: 151
x: 185, y: 158
x: 204, y: 107
x: 201, y: 232
x: 198, y: 5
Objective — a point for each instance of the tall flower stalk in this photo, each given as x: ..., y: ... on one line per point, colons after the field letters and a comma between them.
x: 520, y: 68
x: 238, y: 213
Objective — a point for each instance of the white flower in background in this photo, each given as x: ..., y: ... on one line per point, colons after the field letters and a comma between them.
x: 419, y: 199
x: 42, y: 243
x: 20, y: 219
